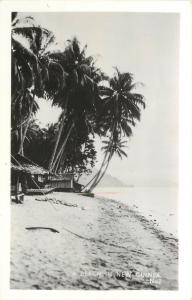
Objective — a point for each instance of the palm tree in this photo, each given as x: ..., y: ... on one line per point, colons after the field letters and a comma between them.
x: 24, y: 75
x: 32, y: 69
x: 78, y: 98
x: 121, y: 109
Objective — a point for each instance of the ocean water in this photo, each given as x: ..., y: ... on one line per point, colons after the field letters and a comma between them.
x: 159, y: 204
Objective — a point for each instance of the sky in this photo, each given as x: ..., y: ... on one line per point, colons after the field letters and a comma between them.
x: 147, y: 45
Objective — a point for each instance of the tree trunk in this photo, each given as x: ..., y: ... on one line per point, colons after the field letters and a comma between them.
x: 100, y: 170
x: 103, y: 164
x: 57, y: 142
x: 99, y: 179
x: 27, y: 126
x: 58, y: 137
x: 57, y: 165
x: 94, y: 183
x: 21, y: 139
x: 63, y: 145
x: 97, y: 174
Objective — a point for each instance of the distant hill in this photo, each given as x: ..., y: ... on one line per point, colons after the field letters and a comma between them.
x: 106, y: 181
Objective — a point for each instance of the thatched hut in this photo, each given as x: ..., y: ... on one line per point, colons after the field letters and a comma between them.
x: 25, y: 175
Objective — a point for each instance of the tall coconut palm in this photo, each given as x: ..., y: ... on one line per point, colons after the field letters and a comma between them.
x: 78, y: 98
x: 121, y: 110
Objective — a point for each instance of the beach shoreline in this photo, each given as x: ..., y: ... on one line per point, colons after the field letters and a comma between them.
x: 139, y: 214
x: 97, y: 244
x: 157, y: 204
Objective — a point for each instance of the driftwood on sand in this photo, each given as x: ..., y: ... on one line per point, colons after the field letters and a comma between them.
x: 36, y: 228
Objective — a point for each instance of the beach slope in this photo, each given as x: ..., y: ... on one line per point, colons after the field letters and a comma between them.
x: 69, y: 241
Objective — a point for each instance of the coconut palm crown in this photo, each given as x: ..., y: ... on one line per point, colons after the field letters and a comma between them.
x: 121, y: 108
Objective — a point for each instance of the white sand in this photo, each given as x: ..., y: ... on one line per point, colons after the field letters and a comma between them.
x: 97, y: 242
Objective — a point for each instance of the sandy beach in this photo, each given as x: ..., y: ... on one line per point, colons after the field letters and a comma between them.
x: 69, y: 241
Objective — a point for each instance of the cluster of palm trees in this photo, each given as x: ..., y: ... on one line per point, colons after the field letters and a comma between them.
x: 91, y: 102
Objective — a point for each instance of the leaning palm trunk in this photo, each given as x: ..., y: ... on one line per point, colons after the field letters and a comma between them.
x: 59, y: 160
x: 100, y: 170
x: 57, y: 141
x: 83, y: 188
x: 97, y: 174
x: 63, y: 146
x: 96, y: 182
x: 58, y: 135
x: 98, y: 179
x: 95, y: 178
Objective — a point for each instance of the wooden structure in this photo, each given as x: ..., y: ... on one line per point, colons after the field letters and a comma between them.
x: 25, y: 175
x: 62, y: 182
x: 17, y: 194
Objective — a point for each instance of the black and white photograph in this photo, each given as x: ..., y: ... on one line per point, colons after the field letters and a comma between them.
x: 94, y: 150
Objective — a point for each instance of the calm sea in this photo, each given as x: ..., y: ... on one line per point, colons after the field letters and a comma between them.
x: 159, y: 204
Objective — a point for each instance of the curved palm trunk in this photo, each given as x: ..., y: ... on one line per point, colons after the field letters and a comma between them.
x: 100, y: 170
x: 59, y: 160
x: 96, y: 182
x: 57, y: 142
x: 58, y: 135
x: 63, y: 146
x: 83, y: 188
x: 97, y: 174
x: 95, y: 178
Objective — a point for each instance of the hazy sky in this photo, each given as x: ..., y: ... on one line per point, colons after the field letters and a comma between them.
x: 146, y: 45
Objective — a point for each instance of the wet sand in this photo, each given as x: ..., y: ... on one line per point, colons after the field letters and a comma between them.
x: 77, y: 242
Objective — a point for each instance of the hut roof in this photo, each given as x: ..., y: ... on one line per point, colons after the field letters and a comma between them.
x: 23, y: 164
